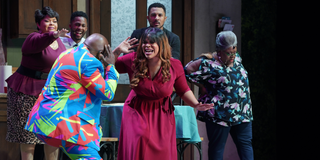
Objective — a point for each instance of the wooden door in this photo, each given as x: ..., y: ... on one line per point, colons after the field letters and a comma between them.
x: 22, y: 21
x: 64, y: 8
x: 183, y: 26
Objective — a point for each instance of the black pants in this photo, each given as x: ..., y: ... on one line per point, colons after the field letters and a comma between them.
x: 241, y: 135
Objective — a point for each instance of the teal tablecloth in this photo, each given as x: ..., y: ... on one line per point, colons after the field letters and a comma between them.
x: 186, y: 123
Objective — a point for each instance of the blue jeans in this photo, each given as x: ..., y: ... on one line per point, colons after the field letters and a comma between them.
x: 241, y: 135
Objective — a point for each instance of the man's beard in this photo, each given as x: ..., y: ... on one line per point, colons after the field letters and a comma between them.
x: 159, y: 26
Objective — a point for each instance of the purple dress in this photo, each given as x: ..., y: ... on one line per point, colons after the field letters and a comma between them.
x: 23, y: 90
x: 36, y: 55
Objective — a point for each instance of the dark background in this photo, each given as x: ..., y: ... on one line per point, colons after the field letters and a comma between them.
x: 259, y: 58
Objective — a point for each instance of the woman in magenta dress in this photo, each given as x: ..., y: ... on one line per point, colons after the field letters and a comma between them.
x: 148, y: 129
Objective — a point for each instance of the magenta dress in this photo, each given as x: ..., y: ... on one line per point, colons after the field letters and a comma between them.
x: 148, y: 129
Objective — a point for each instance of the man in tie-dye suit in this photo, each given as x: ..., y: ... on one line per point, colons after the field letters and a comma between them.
x: 67, y: 112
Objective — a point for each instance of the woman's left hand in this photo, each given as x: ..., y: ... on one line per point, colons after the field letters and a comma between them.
x: 62, y: 33
x: 204, y: 107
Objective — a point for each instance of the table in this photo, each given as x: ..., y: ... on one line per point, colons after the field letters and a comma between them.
x: 186, y: 123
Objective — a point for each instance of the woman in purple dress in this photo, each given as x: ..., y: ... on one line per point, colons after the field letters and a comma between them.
x: 39, y: 51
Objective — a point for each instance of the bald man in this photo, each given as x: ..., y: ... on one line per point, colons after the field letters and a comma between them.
x: 67, y: 112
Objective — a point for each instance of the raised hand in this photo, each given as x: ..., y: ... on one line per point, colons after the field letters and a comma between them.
x: 62, y: 33
x: 126, y: 46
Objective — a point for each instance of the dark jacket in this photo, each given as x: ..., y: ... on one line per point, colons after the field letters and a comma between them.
x: 174, y: 40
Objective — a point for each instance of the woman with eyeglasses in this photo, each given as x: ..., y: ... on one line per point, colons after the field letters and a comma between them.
x: 224, y: 81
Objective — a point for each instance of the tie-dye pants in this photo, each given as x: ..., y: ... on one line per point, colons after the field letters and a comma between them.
x: 74, y: 151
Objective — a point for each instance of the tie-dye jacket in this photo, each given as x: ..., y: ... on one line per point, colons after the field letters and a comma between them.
x: 68, y: 108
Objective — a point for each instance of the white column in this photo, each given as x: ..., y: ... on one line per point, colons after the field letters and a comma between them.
x: 123, y: 23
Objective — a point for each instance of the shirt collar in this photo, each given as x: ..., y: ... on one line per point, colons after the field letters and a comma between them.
x: 70, y: 42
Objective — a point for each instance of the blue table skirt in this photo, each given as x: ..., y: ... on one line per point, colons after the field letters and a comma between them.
x: 186, y: 123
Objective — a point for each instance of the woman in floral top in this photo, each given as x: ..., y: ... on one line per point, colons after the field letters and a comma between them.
x: 224, y: 81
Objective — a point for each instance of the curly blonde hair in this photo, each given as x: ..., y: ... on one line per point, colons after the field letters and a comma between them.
x: 140, y: 63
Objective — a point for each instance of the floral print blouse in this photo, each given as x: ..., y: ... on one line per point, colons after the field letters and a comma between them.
x: 227, y: 88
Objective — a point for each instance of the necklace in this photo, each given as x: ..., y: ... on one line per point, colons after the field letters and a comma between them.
x: 54, y: 45
x: 225, y: 64
x: 215, y: 55
x: 221, y: 61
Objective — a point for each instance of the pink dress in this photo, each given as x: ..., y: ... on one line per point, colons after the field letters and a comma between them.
x: 148, y: 129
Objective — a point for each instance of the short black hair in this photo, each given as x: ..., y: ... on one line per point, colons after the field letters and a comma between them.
x: 40, y: 14
x: 78, y: 14
x: 158, y: 5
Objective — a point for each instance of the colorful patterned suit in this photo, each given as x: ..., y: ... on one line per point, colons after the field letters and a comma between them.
x: 67, y: 112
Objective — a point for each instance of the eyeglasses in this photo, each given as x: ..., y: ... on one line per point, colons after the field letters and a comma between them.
x: 231, y: 54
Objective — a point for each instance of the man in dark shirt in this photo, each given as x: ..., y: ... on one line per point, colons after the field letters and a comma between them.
x: 157, y: 17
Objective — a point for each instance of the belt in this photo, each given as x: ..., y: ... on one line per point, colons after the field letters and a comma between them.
x: 167, y: 104
x: 32, y: 73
